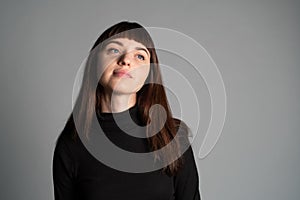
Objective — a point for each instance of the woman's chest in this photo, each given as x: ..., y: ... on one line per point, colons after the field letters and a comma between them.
x: 97, y: 181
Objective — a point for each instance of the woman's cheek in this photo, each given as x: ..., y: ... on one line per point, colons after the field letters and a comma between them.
x: 143, y: 72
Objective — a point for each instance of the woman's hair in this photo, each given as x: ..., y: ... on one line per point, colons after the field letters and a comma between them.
x: 150, y: 94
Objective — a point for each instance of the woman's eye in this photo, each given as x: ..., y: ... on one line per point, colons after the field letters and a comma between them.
x: 113, y: 50
x: 141, y: 57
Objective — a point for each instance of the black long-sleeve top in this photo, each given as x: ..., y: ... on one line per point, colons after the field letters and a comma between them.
x: 78, y: 175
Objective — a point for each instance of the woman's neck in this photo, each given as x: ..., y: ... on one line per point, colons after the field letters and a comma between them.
x: 117, y: 102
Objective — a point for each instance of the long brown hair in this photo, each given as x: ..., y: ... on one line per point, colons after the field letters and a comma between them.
x: 149, y: 95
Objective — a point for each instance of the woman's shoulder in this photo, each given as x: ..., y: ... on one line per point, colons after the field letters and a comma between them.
x: 182, y: 131
x: 68, y: 133
x: 182, y: 127
x: 64, y: 142
x: 180, y: 123
x: 67, y: 139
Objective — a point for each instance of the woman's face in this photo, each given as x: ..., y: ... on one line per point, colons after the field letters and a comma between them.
x: 124, y: 65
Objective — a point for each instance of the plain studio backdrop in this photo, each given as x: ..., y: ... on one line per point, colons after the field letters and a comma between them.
x: 255, y: 45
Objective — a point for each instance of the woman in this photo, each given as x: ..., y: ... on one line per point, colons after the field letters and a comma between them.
x: 122, y: 76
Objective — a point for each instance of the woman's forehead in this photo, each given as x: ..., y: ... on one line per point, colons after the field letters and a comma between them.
x: 124, y: 42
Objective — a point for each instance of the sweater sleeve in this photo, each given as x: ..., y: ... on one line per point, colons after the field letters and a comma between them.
x: 187, y: 180
x: 63, y: 172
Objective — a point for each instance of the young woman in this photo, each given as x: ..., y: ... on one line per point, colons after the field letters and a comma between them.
x: 122, y: 76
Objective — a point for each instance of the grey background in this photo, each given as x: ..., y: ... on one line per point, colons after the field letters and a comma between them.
x: 254, y: 43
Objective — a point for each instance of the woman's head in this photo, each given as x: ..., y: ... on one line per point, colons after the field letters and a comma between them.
x: 129, y: 30
x: 125, y: 47
x: 122, y: 43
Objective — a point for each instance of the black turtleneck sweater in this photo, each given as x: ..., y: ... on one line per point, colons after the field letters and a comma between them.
x: 78, y: 175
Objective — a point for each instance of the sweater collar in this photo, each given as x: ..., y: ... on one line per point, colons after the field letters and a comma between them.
x: 125, y: 120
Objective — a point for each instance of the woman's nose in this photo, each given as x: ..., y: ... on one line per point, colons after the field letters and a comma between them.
x: 125, y: 59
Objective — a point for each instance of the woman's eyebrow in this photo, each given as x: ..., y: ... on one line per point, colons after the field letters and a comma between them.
x: 143, y: 49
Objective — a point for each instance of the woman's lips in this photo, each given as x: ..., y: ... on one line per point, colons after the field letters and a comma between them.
x: 121, y: 73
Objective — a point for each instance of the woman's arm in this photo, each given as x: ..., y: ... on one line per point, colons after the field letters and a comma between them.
x: 187, y: 180
x: 63, y: 172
